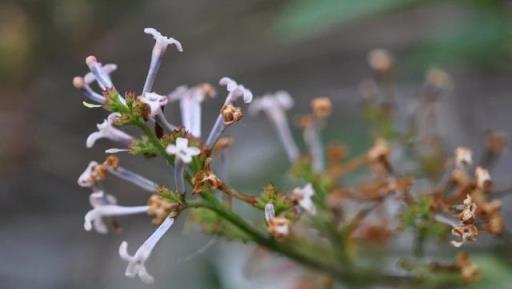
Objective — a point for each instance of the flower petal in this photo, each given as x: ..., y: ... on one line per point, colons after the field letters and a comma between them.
x: 92, y: 138
x: 171, y: 149
x: 144, y: 275
x: 123, y: 252
x: 181, y: 143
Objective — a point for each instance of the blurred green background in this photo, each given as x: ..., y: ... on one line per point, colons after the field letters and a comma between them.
x: 309, y: 48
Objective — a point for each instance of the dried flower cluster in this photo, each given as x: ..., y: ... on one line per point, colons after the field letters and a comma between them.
x: 410, y: 186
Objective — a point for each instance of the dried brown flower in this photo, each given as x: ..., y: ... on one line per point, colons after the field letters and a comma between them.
x: 306, y: 121
x: 322, y: 107
x: 467, y: 216
x: 279, y: 227
x: 463, y: 157
x: 231, y: 114
x: 112, y: 162
x: 159, y: 208
x: 470, y: 272
x: 378, y: 157
x: 336, y: 152
x: 207, y: 89
x: 495, y: 142
x: 495, y: 224
x: 483, y: 179
x: 222, y: 144
x: 438, y: 79
x: 467, y: 232
x: 491, y: 212
x: 379, y: 151
x: 380, y: 60
x: 372, y: 233
x: 207, y: 178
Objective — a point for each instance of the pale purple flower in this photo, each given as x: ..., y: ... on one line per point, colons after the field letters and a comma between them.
x: 136, y: 262
x: 155, y: 102
x: 107, y: 130
x: 274, y: 106
x: 104, y: 205
x: 190, y: 106
x: 235, y: 90
x: 99, y: 73
x: 161, y: 43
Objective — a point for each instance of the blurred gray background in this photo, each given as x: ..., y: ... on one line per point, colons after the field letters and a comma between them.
x: 310, y: 48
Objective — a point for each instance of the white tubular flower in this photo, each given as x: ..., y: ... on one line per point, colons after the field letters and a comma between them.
x: 274, y: 106
x: 190, y: 106
x: 99, y: 72
x: 87, y: 178
x: 80, y: 83
x: 106, y: 206
x: 304, y: 197
x: 182, y: 151
x: 161, y: 43
x: 136, y: 263
x: 235, y: 90
x: 106, y: 70
x: 107, y: 130
x: 155, y: 102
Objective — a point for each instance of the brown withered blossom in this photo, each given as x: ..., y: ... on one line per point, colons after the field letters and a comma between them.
x: 380, y: 60
x: 491, y: 213
x: 159, y: 208
x: 470, y: 272
x: 466, y: 230
x: 207, y: 89
x: 463, y: 157
x: 322, y: 107
x: 279, y: 227
x: 438, y: 80
x: 206, y: 178
x: 306, y: 120
x: 222, y: 144
x: 231, y: 114
x: 101, y: 170
x: 468, y: 213
x: 483, y: 179
x: 378, y: 156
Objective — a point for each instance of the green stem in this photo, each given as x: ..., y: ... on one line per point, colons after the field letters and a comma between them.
x: 357, y: 277
x: 266, y: 242
x: 155, y: 141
